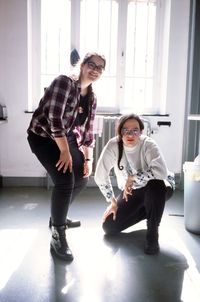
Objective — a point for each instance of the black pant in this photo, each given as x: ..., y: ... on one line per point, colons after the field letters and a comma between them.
x: 66, y: 185
x: 145, y: 203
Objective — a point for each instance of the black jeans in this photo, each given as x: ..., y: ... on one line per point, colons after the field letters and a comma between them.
x: 66, y: 185
x: 145, y: 203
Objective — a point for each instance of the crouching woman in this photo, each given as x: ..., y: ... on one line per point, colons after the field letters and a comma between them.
x: 142, y: 176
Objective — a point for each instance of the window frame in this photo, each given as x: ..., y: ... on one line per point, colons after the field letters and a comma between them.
x: 160, y: 54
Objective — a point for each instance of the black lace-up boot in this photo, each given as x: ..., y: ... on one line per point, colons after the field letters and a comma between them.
x: 59, y: 245
x: 69, y: 223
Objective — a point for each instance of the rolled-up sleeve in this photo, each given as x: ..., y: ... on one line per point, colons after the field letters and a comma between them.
x: 58, y: 106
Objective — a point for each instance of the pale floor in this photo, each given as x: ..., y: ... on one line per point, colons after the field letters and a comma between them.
x: 114, y: 270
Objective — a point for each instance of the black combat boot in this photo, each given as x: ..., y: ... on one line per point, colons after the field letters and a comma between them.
x: 69, y: 223
x: 59, y: 245
x: 152, y: 246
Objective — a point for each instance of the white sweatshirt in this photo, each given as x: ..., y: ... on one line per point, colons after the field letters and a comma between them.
x: 145, y: 161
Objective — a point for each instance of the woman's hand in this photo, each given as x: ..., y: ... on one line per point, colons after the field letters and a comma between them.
x: 65, y: 161
x: 87, y: 169
x: 111, y: 209
x: 88, y: 155
x: 128, y: 188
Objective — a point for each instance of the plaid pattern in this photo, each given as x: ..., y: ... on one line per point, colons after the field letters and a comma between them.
x: 58, y: 109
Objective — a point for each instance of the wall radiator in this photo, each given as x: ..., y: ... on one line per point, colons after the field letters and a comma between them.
x: 108, y: 130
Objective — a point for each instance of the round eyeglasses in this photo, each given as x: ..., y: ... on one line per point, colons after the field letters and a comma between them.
x: 93, y: 66
x: 135, y: 132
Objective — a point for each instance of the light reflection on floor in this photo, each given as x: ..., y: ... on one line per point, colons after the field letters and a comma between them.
x: 114, y: 269
x: 191, y: 281
x: 96, y: 264
x: 15, y: 243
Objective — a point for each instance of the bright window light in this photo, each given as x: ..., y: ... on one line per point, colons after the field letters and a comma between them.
x: 124, y: 31
x: 55, y: 39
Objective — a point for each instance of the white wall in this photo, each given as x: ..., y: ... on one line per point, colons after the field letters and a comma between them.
x: 16, y: 158
x: 170, y: 139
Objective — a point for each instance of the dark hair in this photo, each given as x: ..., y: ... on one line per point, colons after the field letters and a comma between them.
x: 89, y: 55
x: 90, y: 93
x: 121, y: 123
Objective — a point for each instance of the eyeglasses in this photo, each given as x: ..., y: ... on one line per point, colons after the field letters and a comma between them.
x: 93, y: 66
x: 135, y: 132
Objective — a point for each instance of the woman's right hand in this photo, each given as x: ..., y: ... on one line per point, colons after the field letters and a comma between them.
x: 65, y: 161
x: 128, y: 189
x: 111, y: 209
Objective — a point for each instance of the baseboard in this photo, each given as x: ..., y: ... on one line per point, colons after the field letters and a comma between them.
x: 24, y: 181
x: 39, y: 182
x: 91, y: 182
x: 47, y: 183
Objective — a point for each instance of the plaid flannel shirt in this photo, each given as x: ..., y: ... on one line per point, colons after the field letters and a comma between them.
x: 57, y: 111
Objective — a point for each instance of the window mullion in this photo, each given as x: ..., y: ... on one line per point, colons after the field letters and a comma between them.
x: 34, y: 51
x: 146, y: 54
x: 121, y: 52
x: 75, y: 24
x: 160, y: 56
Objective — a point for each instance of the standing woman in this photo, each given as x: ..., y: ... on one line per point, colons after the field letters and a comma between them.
x: 142, y: 177
x: 60, y: 134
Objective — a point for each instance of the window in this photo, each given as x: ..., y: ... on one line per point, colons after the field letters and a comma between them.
x: 139, y: 62
x: 55, y: 39
x: 99, y: 30
x: 125, y: 31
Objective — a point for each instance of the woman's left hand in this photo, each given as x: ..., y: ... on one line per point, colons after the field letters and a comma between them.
x: 87, y: 169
